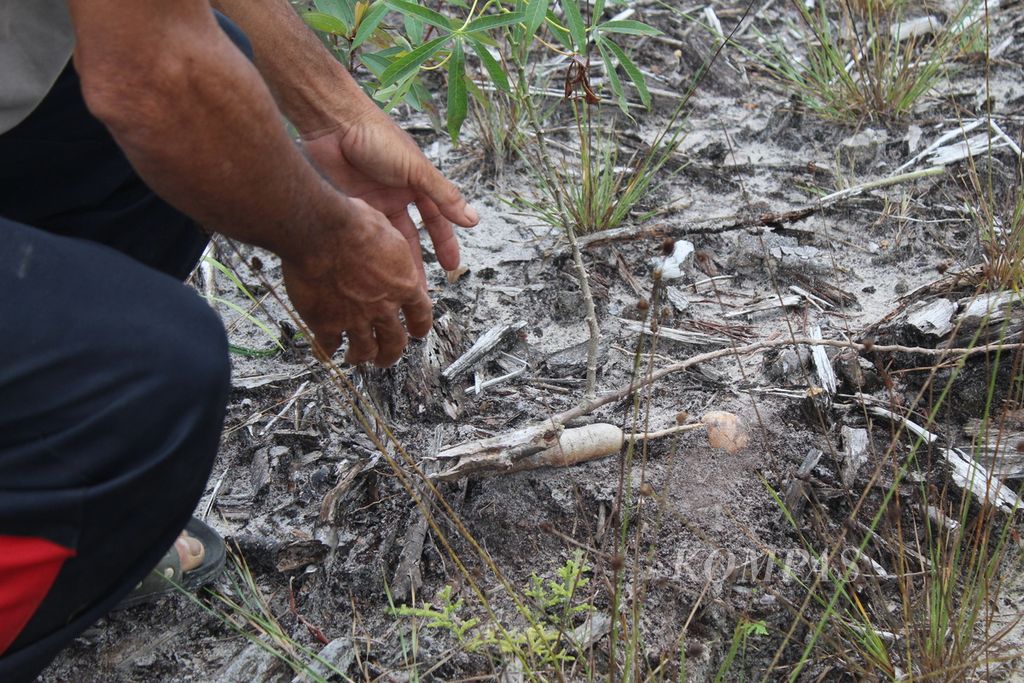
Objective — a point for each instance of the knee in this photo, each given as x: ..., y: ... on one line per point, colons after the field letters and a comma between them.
x: 185, y: 389
x: 196, y: 369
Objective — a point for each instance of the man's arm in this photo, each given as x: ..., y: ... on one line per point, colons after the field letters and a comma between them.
x: 199, y: 125
x: 312, y: 88
x: 360, y: 149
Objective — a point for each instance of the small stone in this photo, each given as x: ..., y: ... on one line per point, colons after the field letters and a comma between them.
x: 861, y: 149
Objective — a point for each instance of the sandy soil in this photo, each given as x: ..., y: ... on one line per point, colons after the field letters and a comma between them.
x: 750, y: 150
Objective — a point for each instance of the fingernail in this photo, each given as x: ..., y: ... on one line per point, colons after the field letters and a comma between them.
x: 471, y: 215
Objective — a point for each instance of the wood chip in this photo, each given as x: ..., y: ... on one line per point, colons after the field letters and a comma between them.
x: 967, y: 473
x: 854, y: 453
x: 822, y: 365
x: 796, y: 490
x: 484, y: 345
x: 932, y: 318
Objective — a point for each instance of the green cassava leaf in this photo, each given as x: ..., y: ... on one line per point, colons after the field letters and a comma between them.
x: 425, y: 13
x: 560, y: 33
x: 575, y: 21
x: 371, y: 20
x: 409, y: 63
x: 632, y: 71
x: 494, y: 70
x: 493, y: 21
x: 613, y: 77
x: 378, y: 62
x: 534, y: 17
x: 414, y: 29
x: 627, y: 26
x: 337, y: 8
x: 458, y: 103
x: 326, y: 23
x: 395, y: 93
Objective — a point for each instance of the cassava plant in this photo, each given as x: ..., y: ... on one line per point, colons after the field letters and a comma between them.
x: 483, y: 39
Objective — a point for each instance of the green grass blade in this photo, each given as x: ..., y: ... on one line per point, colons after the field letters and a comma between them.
x: 248, y: 316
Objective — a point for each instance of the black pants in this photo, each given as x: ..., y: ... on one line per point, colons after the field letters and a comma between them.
x: 113, y: 377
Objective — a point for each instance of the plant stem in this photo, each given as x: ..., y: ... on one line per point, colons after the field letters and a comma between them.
x: 590, y: 388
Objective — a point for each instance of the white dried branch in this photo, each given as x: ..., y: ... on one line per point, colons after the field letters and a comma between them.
x: 683, y: 336
x: 483, y: 346
x: 968, y: 473
x: 822, y: 365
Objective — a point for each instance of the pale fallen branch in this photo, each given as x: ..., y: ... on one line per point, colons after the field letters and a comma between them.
x: 881, y: 182
x: 476, y: 389
x: 682, y: 336
x: 768, y: 219
x: 627, y: 233
x: 999, y: 443
x: 787, y: 301
x: 589, y: 406
x: 822, y: 365
x: 938, y: 142
x: 813, y: 299
x: 541, y: 444
x: 572, y: 447
x: 484, y: 345
x: 968, y: 473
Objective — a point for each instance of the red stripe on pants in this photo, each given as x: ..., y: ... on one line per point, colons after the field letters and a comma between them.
x: 28, y: 567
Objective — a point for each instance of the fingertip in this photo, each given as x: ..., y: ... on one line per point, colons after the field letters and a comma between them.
x: 324, y: 345
x: 362, y: 347
x: 391, y: 341
x: 447, y: 253
x: 386, y: 361
x: 419, y: 317
x: 463, y: 215
x: 453, y: 205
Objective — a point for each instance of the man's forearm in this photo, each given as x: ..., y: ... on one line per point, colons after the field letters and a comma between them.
x: 315, y: 92
x: 197, y: 122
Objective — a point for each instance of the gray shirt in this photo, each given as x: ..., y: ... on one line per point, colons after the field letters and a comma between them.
x: 36, y: 40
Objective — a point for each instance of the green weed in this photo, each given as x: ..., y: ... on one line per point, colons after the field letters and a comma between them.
x: 859, y: 60
x: 541, y: 645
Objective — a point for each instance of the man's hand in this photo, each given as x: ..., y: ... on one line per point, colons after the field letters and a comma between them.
x: 360, y: 278
x: 373, y: 159
x: 352, y: 141
x: 200, y: 127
